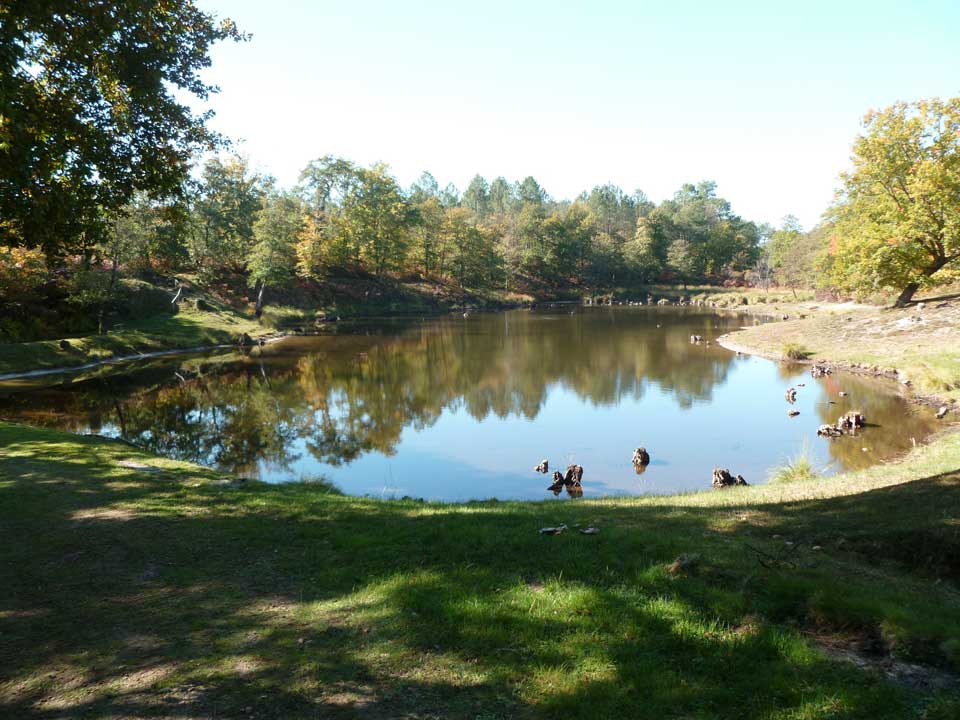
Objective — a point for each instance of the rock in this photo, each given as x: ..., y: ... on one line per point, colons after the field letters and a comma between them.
x: 793, y: 413
x: 723, y: 478
x: 791, y: 395
x: 941, y: 413
x: 543, y: 467
x: 641, y: 457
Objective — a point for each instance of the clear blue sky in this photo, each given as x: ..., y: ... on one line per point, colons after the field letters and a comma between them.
x: 763, y: 97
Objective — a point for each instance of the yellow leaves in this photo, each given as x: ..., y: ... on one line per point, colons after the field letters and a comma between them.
x: 21, y: 270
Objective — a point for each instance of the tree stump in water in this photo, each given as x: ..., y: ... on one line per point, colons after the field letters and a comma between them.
x: 557, y: 483
x: 829, y: 431
x: 851, y: 421
x: 819, y: 371
x: 641, y: 458
x: 573, y: 476
x: 722, y: 478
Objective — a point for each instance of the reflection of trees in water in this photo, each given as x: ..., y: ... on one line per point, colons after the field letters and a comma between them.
x: 360, y: 392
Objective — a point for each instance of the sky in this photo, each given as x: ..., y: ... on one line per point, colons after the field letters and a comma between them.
x: 763, y: 97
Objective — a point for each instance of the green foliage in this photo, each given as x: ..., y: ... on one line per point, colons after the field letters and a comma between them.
x: 225, y: 210
x: 89, y: 112
x: 136, y: 300
x: 91, y: 288
x: 277, y: 230
x: 895, y: 224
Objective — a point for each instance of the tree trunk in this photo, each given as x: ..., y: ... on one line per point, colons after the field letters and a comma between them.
x: 906, y: 295
x: 259, y: 307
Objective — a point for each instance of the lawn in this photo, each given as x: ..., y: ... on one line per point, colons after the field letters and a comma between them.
x: 132, y: 586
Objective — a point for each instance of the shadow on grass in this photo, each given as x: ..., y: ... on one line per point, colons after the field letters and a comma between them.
x: 127, y: 591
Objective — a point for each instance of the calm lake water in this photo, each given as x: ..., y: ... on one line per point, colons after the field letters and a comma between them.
x: 464, y: 408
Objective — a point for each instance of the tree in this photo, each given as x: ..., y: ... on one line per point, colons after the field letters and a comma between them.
x: 896, y: 220
x: 501, y: 196
x: 377, y: 218
x: 89, y: 112
x: 476, y: 197
x: 227, y: 205
x: 276, y: 231
x: 646, y: 254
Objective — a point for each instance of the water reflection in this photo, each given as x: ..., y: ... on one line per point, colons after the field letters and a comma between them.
x: 461, y: 408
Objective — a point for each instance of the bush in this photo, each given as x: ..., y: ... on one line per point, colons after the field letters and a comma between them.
x: 793, y: 351
x: 22, y: 270
x: 137, y: 299
x: 799, y: 467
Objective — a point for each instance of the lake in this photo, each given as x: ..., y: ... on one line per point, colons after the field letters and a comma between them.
x: 458, y: 408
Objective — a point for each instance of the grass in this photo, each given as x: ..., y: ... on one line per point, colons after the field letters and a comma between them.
x: 133, y: 586
x: 794, y: 351
x: 799, y: 467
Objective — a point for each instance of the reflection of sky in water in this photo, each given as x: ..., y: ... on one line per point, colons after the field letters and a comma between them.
x: 744, y: 427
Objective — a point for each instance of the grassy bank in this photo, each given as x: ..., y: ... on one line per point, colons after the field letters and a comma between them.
x: 132, y: 586
x: 190, y: 328
x: 920, y: 344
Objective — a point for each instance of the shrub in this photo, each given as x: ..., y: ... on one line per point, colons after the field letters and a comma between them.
x: 21, y: 271
x: 138, y: 299
x: 794, y: 351
x: 799, y: 467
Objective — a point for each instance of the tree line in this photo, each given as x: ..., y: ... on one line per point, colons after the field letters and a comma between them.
x: 342, y: 217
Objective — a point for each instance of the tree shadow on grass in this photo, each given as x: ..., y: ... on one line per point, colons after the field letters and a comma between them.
x: 131, y: 592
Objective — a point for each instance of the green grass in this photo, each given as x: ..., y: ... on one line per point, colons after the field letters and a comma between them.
x: 799, y: 467
x: 133, y: 586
